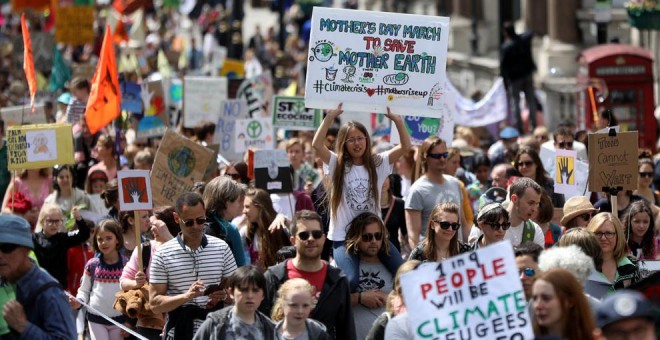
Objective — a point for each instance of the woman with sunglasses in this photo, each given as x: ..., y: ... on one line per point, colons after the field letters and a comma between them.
x: 442, y: 240
x: 357, y: 180
x: 617, y: 269
x: 578, y: 211
x: 646, y: 169
x: 640, y: 232
x: 528, y: 163
x: 493, y: 220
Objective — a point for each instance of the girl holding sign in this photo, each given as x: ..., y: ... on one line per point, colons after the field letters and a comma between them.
x: 357, y: 181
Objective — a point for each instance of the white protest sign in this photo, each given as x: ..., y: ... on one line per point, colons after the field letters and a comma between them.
x: 258, y: 93
x: 23, y: 115
x: 564, y: 170
x: 420, y: 128
x: 475, y: 295
x: 290, y: 113
x: 225, y: 127
x: 272, y: 172
x: 372, y: 60
x: 256, y: 133
x: 580, y: 173
x: 135, y: 190
x: 202, y: 97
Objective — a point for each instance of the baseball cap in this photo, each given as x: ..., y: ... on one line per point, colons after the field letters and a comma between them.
x: 492, y: 195
x: 64, y: 98
x: 623, y: 305
x: 15, y: 230
x: 509, y: 132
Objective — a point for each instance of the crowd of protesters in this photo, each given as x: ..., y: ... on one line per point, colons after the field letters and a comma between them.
x: 232, y: 261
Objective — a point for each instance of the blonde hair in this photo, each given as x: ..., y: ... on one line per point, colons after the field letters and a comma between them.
x: 46, y: 209
x: 289, y: 286
x: 621, y: 248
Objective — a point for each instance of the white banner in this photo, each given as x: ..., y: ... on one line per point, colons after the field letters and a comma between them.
x: 492, y: 108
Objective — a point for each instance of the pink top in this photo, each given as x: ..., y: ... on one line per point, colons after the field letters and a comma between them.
x: 36, y: 200
x: 131, y: 268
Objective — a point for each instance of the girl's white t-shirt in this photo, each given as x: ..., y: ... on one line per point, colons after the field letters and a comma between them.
x: 357, y: 197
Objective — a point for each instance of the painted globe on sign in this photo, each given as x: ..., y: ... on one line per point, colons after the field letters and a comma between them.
x: 323, y: 52
x: 181, y: 161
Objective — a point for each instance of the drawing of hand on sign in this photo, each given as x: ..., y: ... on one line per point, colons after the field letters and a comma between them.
x: 565, y: 168
x: 136, y: 189
x: 146, y: 95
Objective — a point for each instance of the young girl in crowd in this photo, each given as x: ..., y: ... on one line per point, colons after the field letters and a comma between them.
x: 295, y: 300
x: 357, y: 180
x: 94, y: 186
x: 100, y: 282
x: 642, y: 243
x: 127, y: 220
x: 493, y: 220
x: 65, y: 194
x: 442, y: 240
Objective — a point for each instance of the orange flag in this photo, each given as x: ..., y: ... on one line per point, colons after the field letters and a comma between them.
x: 120, y: 33
x: 28, y: 61
x: 105, y: 96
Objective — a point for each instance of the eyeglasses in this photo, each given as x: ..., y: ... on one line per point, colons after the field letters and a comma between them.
x: 438, y: 155
x: 367, y: 237
x: 646, y: 174
x: 53, y: 222
x: 315, y: 234
x: 586, y: 216
x: 565, y: 145
x: 497, y: 226
x: 235, y: 176
x: 525, y: 163
x: 446, y: 225
x: 529, y: 272
x: 608, y: 235
x: 8, y: 248
x: 352, y: 140
x: 193, y: 221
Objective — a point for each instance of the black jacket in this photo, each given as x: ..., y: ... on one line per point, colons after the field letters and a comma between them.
x: 333, y: 308
x: 52, y: 252
x: 315, y: 329
x: 216, y: 323
x: 516, y: 60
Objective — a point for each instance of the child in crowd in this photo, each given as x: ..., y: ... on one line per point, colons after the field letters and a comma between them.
x: 295, y: 300
x: 94, y: 186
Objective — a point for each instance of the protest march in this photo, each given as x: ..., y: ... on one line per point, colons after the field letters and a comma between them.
x: 166, y: 177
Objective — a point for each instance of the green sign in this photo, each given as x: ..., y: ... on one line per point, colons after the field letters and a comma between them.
x: 290, y: 113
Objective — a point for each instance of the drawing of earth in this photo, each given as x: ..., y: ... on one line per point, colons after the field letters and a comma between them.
x: 323, y: 52
x: 181, y: 161
x: 425, y: 127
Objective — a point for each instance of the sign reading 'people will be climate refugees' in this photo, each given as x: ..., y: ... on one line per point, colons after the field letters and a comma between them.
x: 372, y: 60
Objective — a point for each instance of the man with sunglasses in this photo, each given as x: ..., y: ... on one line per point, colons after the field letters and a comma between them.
x: 333, y: 308
x: 40, y: 309
x: 527, y: 260
x: 564, y: 138
x: 187, y: 272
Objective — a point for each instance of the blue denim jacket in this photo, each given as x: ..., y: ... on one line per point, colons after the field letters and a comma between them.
x: 49, y: 315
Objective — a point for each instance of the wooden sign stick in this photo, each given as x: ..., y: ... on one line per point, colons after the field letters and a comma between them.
x: 138, y: 240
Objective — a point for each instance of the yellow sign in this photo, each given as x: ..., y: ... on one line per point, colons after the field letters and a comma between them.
x: 564, y: 170
x: 74, y: 25
x: 39, y: 146
x: 233, y: 69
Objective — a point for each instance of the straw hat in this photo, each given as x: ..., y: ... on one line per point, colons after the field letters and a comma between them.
x: 576, y: 206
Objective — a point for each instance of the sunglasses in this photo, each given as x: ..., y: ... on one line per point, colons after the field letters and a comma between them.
x: 446, y: 225
x: 646, y: 174
x: 587, y: 216
x: 438, y: 155
x: 525, y: 163
x: 503, y: 226
x: 565, y: 145
x: 529, y: 272
x: 367, y: 237
x: 315, y: 234
x: 8, y: 248
x: 193, y: 221
x: 235, y: 176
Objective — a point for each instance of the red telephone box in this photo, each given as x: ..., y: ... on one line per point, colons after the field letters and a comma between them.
x: 628, y: 72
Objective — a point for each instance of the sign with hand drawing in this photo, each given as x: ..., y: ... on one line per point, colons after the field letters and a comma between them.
x: 134, y: 190
x: 565, y: 171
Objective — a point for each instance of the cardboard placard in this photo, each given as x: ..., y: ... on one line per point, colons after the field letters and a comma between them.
x: 155, y: 119
x: 75, y: 25
x: 39, y: 146
x: 225, y: 128
x: 22, y: 115
x: 255, y: 134
x: 472, y: 294
x: 135, y: 190
x: 179, y: 163
x: 272, y: 171
x: 258, y: 94
x: 290, y: 113
x: 202, y: 97
x: 371, y: 60
x: 18, y: 5
x: 613, y: 161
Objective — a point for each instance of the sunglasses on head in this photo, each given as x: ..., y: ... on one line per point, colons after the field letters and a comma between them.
x: 367, y: 237
x: 529, y: 272
x: 438, y: 155
x: 646, y: 174
x: 496, y: 226
x: 315, y: 234
x: 525, y: 163
x: 193, y: 221
x: 8, y: 248
x: 235, y: 176
x: 446, y: 225
x: 565, y: 145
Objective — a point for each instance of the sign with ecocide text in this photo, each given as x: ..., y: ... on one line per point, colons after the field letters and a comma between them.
x: 613, y: 161
x: 371, y: 60
x: 476, y: 295
x: 39, y: 146
x: 290, y: 113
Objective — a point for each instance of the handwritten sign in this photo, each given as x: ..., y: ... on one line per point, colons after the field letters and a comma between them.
x: 272, y: 171
x: 613, y: 161
x: 75, y: 25
x: 258, y: 94
x: 475, y: 295
x: 290, y: 113
x: 21, y: 115
x: 201, y: 99
x: 135, y: 189
x: 372, y: 60
x: 39, y: 146
x: 225, y: 128
x: 420, y: 128
x: 179, y: 163
x: 255, y: 134
x: 155, y: 119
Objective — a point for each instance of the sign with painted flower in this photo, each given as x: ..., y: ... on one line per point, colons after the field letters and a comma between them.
x: 372, y: 60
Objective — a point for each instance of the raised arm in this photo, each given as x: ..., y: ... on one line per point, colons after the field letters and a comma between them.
x: 404, y: 144
x: 414, y: 225
x: 79, y: 236
x: 319, y: 137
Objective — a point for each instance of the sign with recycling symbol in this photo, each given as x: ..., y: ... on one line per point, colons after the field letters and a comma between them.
x: 255, y: 134
x: 290, y: 113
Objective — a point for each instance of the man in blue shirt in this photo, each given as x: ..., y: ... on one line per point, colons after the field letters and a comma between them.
x: 40, y: 310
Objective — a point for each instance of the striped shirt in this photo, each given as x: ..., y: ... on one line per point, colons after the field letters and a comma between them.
x: 177, y: 266
x: 75, y: 110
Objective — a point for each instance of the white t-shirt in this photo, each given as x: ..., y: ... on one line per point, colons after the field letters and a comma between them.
x: 357, y: 197
x: 514, y: 234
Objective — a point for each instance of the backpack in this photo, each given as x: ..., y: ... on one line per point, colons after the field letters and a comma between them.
x: 528, y: 232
